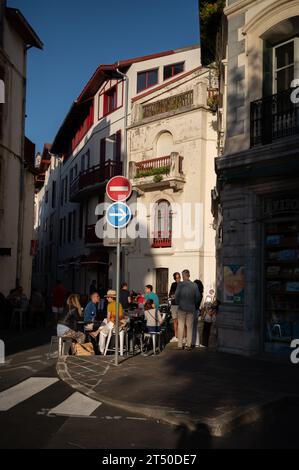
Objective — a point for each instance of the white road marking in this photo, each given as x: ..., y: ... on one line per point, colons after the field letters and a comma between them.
x: 76, y: 405
x: 24, y: 390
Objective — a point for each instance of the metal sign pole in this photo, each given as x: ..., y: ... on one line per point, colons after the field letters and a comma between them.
x: 117, y: 296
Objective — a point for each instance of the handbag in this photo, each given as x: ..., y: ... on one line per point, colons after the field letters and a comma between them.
x: 85, y: 349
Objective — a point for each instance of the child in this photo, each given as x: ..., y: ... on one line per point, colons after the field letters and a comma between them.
x: 153, y: 317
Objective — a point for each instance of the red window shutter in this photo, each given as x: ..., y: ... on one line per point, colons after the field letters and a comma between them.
x: 103, y: 152
x: 118, y: 146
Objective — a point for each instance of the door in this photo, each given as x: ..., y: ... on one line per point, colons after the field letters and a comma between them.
x: 162, y: 275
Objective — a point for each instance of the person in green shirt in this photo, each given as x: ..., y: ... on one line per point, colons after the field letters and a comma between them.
x: 150, y: 295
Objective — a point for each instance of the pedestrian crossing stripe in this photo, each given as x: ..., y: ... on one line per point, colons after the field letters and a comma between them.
x: 76, y: 405
x: 24, y: 390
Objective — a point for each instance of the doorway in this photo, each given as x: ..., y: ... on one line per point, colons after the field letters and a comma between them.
x: 162, y: 276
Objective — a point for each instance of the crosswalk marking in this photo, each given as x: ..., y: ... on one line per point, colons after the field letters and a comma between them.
x: 76, y: 405
x: 24, y: 390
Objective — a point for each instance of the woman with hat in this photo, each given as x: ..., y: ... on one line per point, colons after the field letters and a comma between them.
x: 109, y: 323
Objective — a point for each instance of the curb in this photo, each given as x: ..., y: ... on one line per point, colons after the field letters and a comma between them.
x: 218, y: 427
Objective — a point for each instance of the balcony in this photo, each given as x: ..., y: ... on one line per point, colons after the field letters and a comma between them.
x: 90, y: 181
x: 163, y: 240
x: 273, y: 117
x: 158, y: 173
x: 90, y: 235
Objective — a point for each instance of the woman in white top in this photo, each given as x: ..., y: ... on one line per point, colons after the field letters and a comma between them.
x: 153, y: 317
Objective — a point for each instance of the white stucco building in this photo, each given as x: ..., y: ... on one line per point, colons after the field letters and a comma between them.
x: 99, y: 139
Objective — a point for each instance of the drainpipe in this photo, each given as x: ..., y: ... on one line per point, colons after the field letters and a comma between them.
x: 126, y: 78
x: 124, y: 270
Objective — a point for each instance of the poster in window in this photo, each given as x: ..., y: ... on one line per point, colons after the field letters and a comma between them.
x: 234, y: 284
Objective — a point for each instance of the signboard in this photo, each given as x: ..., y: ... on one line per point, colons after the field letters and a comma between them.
x: 234, y: 284
x: 172, y: 103
x: 119, y: 188
x: 118, y: 215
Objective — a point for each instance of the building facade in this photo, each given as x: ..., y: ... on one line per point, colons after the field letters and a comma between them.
x: 256, y: 203
x: 16, y: 154
x: 95, y: 142
x: 172, y: 141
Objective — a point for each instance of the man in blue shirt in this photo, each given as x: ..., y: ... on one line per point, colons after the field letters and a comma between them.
x: 91, y: 308
x: 150, y: 295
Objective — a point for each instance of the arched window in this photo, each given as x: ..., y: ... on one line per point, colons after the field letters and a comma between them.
x: 162, y: 225
x: 164, y: 144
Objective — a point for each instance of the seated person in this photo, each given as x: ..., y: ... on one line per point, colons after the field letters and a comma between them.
x: 91, y: 308
x: 67, y: 321
x: 153, y: 317
x: 109, y: 322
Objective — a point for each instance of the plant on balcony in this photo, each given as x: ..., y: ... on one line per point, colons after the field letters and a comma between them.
x: 210, y: 13
x: 158, y: 178
x: 163, y: 170
x: 213, y: 102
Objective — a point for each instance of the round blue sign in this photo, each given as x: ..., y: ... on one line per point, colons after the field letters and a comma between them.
x: 118, y: 215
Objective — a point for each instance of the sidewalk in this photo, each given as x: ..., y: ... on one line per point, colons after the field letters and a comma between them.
x: 195, y: 389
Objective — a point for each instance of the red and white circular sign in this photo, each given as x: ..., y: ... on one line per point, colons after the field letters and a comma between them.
x: 119, y: 188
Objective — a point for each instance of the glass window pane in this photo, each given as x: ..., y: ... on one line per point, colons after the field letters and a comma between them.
x: 167, y: 72
x: 152, y: 78
x: 141, y: 81
x: 285, y: 78
x: 285, y: 55
x: 178, y: 68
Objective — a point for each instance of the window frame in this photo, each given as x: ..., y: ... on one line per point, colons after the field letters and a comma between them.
x: 154, y: 69
x: 106, y: 100
x: 295, y: 64
x: 172, y: 69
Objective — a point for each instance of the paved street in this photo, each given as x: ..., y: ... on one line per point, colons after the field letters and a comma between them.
x: 39, y: 410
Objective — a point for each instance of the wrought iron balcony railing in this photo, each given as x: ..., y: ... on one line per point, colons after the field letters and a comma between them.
x: 89, y: 181
x: 273, y: 117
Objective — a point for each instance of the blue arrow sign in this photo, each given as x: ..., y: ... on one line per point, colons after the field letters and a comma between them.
x: 118, y: 215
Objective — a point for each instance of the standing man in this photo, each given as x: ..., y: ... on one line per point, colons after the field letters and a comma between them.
x: 124, y: 296
x: 174, y: 306
x: 187, y: 298
x: 58, y: 299
x: 150, y: 295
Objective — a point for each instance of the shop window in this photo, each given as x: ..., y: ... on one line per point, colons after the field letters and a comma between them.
x: 281, y: 284
x: 147, y: 79
x: 173, y: 69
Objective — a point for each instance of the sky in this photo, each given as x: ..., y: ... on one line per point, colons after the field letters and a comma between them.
x: 78, y: 35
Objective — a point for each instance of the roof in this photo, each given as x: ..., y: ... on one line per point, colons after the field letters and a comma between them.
x: 23, y: 28
x: 102, y: 73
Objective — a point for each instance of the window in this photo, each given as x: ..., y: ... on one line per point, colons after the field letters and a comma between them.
x: 74, y: 226
x: 62, y: 193
x: 81, y: 221
x: 65, y: 189
x: 51, y: 227
x: 110, y: 100
x: 69, y: 227
x: 110, y: 148
x: 162, y: 225
x: 147, y: 79
x: 60, y: 232
x: 53, y: 194
x: 284, y: 66
x: 173, y: 69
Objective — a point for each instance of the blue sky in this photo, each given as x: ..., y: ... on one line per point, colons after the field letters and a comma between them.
x: 78, y: 35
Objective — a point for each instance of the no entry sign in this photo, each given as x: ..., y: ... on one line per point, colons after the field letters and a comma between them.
x: 119, y: 188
